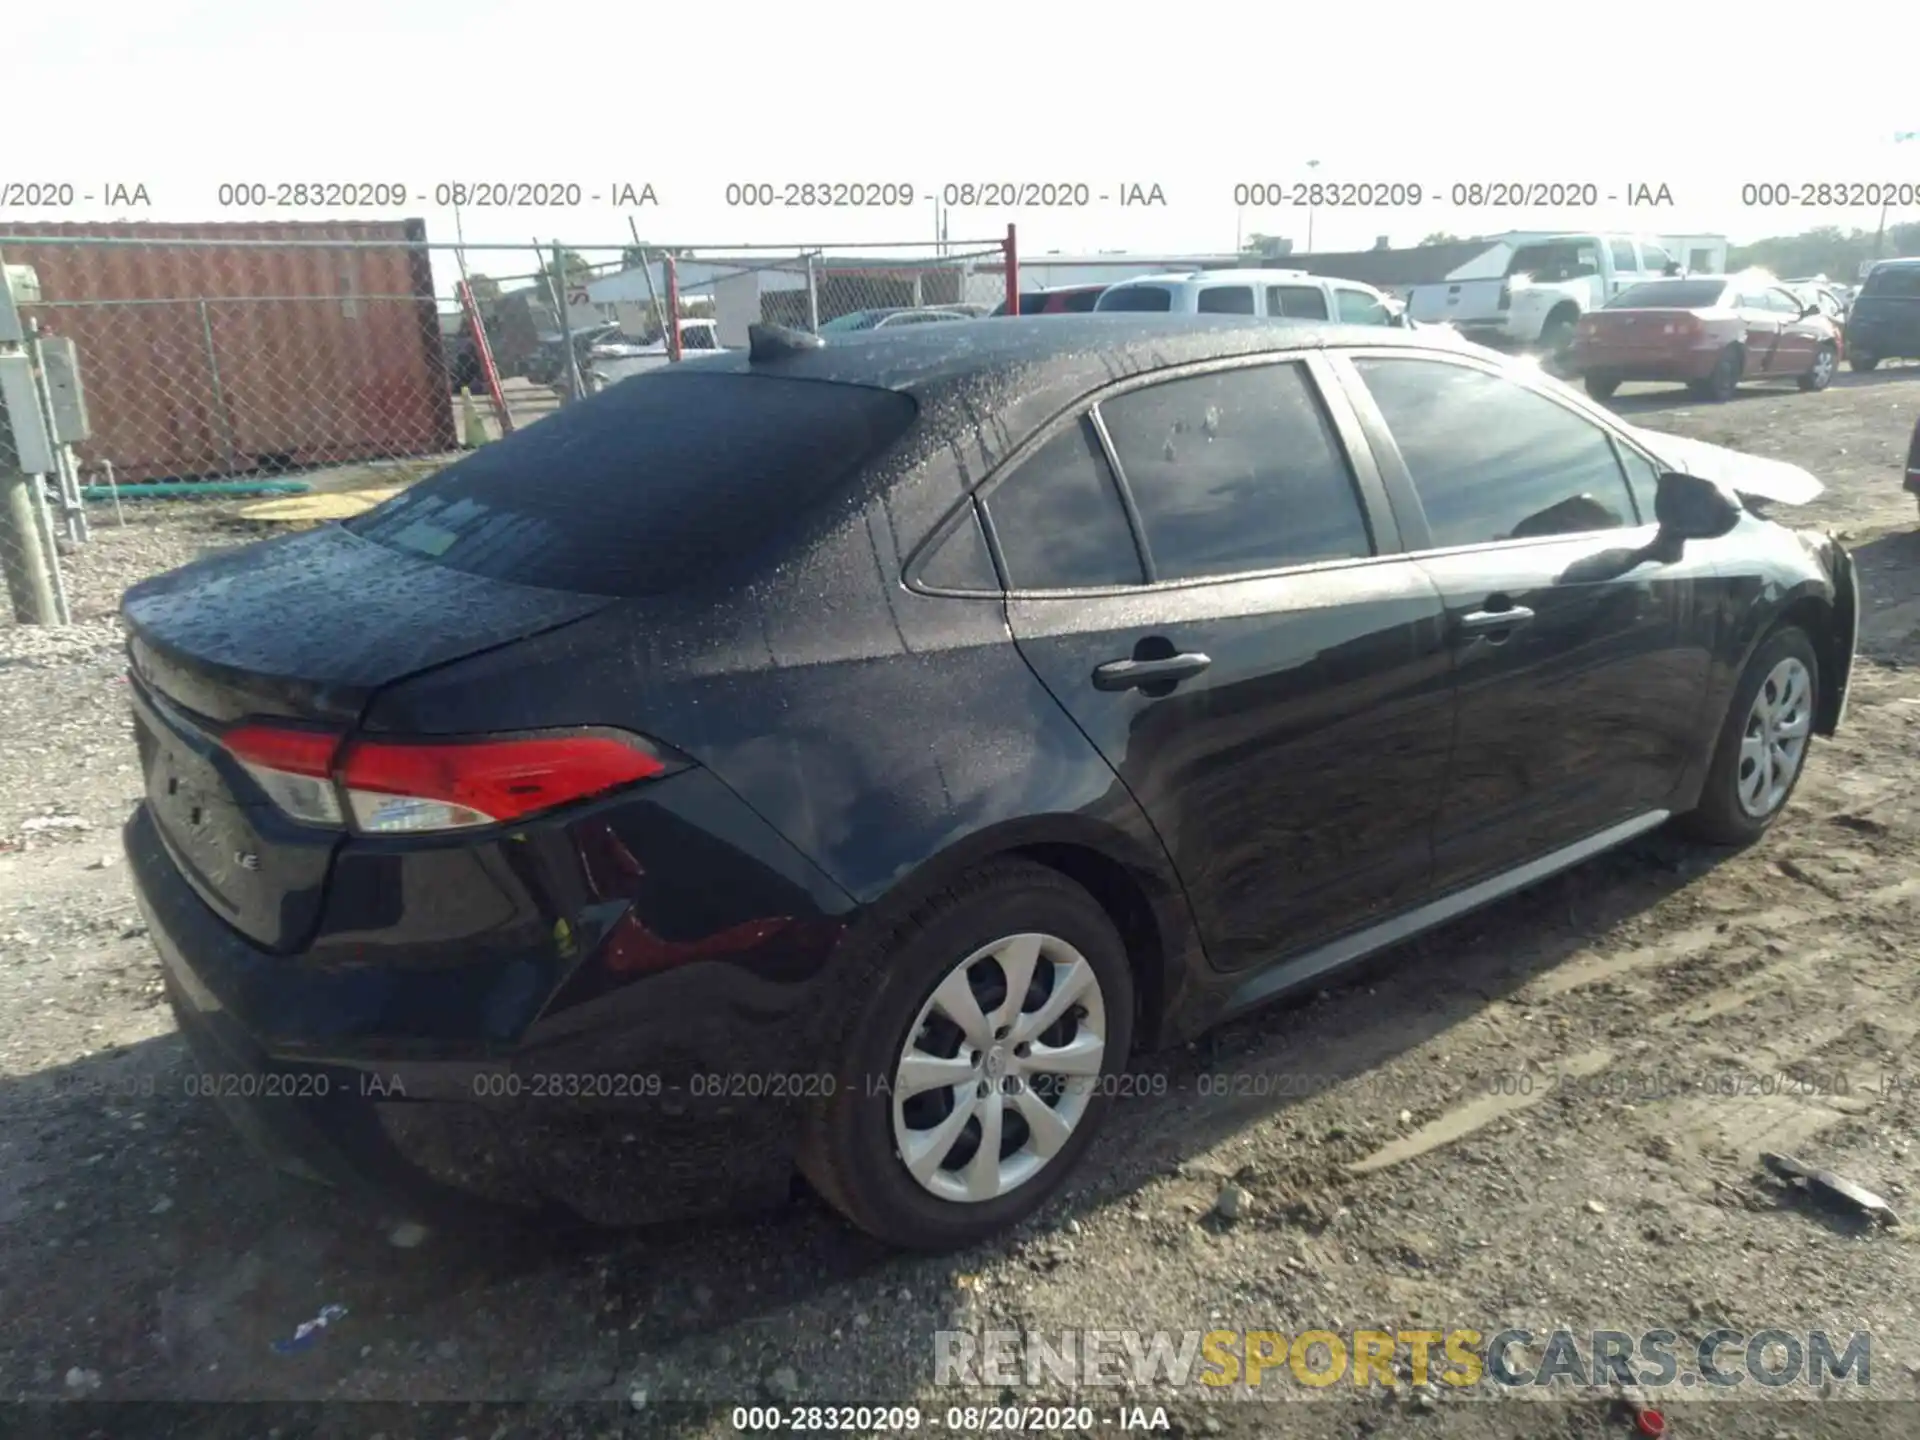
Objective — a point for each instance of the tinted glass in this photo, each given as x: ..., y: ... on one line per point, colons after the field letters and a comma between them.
x: 1081, y: 301
x: 1236, y: 471
x: 1226, y: 300
x: 1059, y: 521
x: 645, y: 486
x: 1556, y: 261
x: 1900, y: 280
x: 1359, y: 308
x: 1492, y: 460
x: 961, y: 561
x: 1669, y: 295
x: 1297, y: 302
x: 1137, y: 298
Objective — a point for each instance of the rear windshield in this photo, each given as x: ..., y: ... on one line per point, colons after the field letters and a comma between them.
x: 646, y: 486
x: 1079, y: 302
x: 1901, y: 280
x: 1137, y: 297
x: 1669, y: 295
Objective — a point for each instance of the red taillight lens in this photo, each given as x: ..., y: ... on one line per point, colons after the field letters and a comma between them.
x: 397, y: 786
x: 414, y: 786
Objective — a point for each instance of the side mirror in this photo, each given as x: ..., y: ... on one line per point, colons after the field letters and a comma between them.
x: 1689, y: 508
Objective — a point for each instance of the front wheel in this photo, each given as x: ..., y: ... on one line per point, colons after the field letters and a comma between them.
x: 1862, y: 363
x: 1826, y: 360
x: 1601, y: 387
x: 980, y: 1048
x: 1762, y: 747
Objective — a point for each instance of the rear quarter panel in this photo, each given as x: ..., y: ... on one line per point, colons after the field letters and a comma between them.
x: 894, y: 738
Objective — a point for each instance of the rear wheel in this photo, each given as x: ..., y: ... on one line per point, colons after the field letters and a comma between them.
x: 1762, y: 748
x: 1601, y: 387
x: 1725, y: 379
x: 975, y: 1061
x: 1826, y: 360
x: 1862, y: 362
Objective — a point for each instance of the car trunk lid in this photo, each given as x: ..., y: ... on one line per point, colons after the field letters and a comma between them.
x: 305, y: 629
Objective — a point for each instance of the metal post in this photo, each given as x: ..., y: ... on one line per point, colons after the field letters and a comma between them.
x: 673, y: 311
x: 219, y: 395
x: 557, y: 287
x: 1011, y: 249
x: 646, y: 273
x: 813, y: 294
x: 50, y: 548
x: 113, y: 489
x: 1880, y: 234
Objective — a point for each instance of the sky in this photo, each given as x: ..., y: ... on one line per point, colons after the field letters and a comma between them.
x: 183, y: 98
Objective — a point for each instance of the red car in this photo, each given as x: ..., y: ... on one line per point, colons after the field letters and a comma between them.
x: 1712, y: 332
x: 1060, y: 300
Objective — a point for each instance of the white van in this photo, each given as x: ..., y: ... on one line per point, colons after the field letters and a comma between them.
x: 1283, y: 294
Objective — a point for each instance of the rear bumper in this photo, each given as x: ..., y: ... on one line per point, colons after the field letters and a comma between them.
x: 624, y: 1103
x: 1647, y: 364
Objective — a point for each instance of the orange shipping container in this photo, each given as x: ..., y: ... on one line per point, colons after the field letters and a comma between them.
x: 211, y: 359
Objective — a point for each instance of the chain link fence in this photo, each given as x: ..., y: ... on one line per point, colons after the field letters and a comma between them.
x: 171, y: 390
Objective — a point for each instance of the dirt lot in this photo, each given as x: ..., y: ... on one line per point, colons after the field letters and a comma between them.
x: 1546, y: 1115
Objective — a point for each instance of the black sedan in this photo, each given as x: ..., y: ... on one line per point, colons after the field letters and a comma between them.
x: 844, y: 757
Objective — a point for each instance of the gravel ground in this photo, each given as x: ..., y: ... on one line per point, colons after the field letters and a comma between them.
x: 1546, y: 1115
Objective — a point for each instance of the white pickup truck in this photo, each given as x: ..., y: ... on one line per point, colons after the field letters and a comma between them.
x: 1527, y: 294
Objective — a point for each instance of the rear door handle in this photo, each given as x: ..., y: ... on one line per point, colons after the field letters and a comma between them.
x: 1490, y: 622
x: 1136, y: 674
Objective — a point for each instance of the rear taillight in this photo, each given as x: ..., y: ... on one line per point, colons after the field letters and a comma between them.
x: 294, y: 767
x: 395, y: 787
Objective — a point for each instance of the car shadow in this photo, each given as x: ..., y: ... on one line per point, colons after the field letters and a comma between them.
x: 146, y: 1243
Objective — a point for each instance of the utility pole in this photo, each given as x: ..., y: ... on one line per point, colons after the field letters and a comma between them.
x: 1312, y: 165
x: 1880, y: 235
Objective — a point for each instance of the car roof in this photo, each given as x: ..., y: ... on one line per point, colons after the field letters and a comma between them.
x: 1899, y: 262
x: 1245, y: 276
x: 1051, y: 359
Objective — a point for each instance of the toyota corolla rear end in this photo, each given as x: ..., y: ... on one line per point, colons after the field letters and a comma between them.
x: 517, y: 952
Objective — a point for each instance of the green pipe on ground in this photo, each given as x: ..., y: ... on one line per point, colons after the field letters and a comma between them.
x: 183, y: 489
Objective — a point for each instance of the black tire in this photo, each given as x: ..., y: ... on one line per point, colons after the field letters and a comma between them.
x: 1821, y: 375
x: 1862, y: 363
x: 848, y: 1151
x: 1557, y: 334
x: 1720, y: 818
x: 1725, y: 379
x: 1601, y: 387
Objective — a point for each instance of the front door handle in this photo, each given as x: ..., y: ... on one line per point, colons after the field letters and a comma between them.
x: 1138, y: 674
x: 1491, y: 622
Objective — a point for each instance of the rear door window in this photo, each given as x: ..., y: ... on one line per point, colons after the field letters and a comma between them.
x: 1059, y: 521
x: 646, y: 486
x: 1492, y: 460
x: 1297, y: 302
x: 1138, y: 298
x: 1236, y: 471
x: 1226, y: 300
